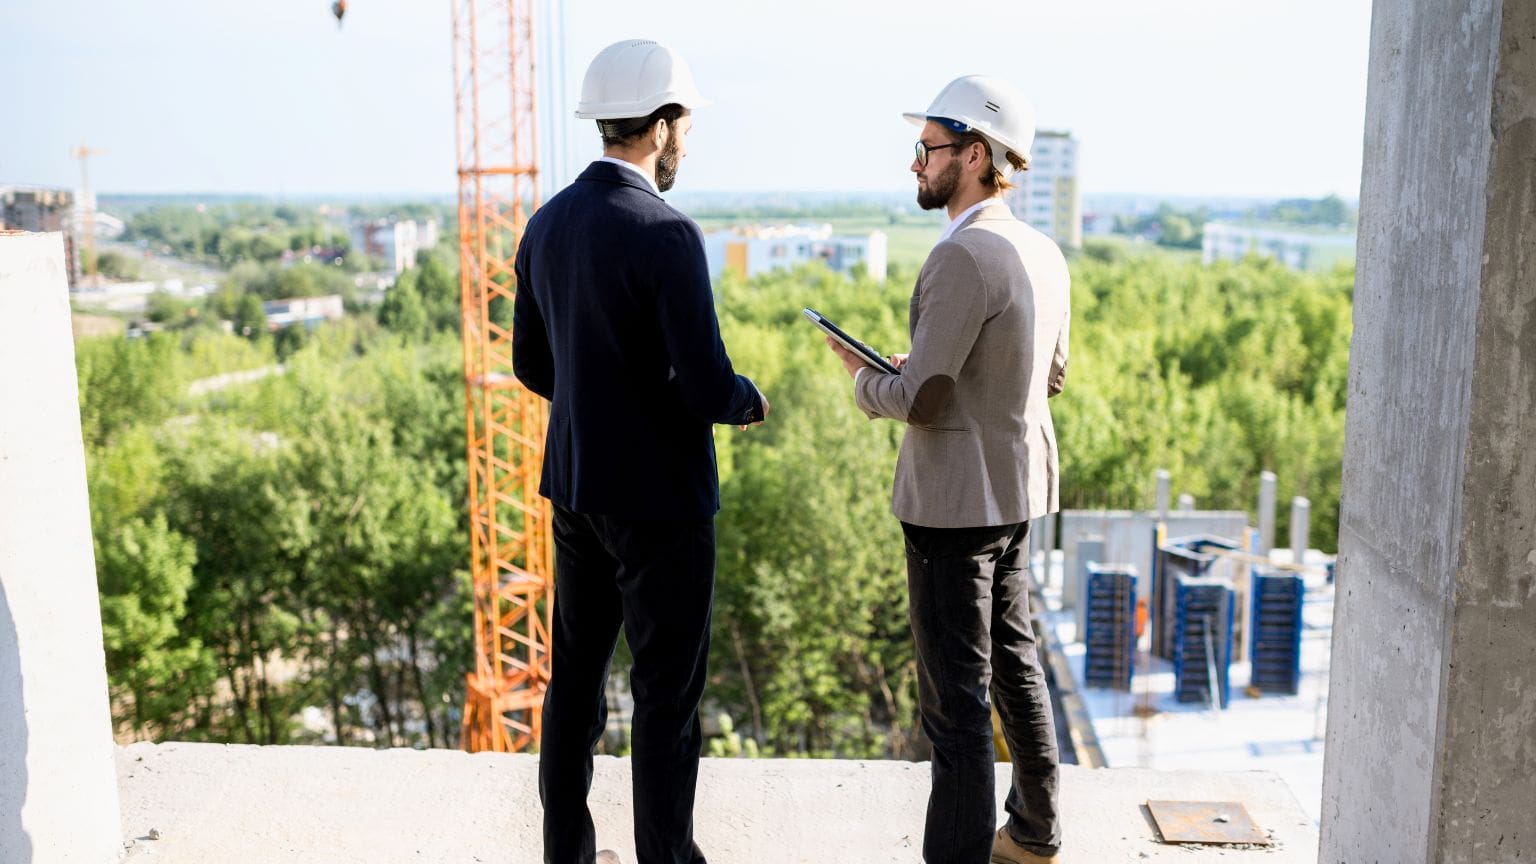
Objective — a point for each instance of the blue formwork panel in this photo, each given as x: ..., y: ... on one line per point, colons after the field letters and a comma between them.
x: 1110, y: 634
x: 1203, y: 609
x: 1182, y: 557
x: 1276, y: 653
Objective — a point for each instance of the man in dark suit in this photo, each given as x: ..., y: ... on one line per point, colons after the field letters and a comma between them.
x: 614, y: 323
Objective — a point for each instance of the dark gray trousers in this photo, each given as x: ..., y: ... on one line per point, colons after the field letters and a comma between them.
x: 656, y: 579
x: 970, y: 622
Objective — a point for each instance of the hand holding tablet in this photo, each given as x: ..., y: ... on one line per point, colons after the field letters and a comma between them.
x: 869, y: 355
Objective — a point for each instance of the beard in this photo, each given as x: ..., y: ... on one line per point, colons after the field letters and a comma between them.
x: 666, y: 164
x: 939, y: 189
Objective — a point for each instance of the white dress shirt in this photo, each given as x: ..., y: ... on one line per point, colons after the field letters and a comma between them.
x: 649, y: 180
x: 955, y: 223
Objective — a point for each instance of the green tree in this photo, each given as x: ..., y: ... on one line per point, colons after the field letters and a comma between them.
x: 811, y: 644
x: 250, y: 319
x: 439, y: 290
x: 114, y: 265
x: 243, y: 602
x: 127, y: 381
x: 402, y: 310
x: 145, y: 573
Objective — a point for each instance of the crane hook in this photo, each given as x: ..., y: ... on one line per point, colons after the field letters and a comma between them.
x: 339, y: 8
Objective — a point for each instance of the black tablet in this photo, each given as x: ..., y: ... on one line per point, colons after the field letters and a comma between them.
x: 866, y: 353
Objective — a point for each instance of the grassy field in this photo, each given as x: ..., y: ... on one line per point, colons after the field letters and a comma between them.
x: 158, y: 268
x: 1132, y: 247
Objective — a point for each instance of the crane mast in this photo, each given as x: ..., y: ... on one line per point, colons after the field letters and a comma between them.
x: 511, y: 543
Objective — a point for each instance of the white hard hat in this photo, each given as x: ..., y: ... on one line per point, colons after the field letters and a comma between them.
x: 990, y: 106
x: 633, y: 78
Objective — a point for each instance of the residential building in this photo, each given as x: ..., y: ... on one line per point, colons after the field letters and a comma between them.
x: 41, y: 209
x: 750, y: 251
x: 1300, y: 247
x: 1047, y: 195
x: 308, y: 311
x: 396, y: 241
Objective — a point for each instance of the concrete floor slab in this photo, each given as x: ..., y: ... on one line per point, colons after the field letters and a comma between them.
x: 318, y: 805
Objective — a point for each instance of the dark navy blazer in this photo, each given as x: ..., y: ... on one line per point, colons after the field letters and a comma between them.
x: 615, y: 325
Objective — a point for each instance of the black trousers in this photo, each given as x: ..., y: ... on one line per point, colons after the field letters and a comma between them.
x: 655, y: 579
x: 970, y: 622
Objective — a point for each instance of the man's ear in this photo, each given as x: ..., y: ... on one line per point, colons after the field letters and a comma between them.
x: 660, y: 132
x: 975, y: 155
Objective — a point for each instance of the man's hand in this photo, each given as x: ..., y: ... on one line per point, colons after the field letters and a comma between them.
x: 851, y: 361
x: 898, y: 360
x: 763, y: 399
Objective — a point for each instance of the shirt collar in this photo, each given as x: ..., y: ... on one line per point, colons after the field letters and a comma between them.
x: 955, y: 223
x: 633, y: 167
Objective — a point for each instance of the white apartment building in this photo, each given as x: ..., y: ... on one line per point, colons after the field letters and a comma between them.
x: 307, y: 311
x: 1047, y: 195
x: 395, y: 240
x: 749, y: 251
x: 1300, y: 247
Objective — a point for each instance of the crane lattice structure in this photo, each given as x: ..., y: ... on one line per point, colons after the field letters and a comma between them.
x: 87, y: 207
x: 511, y: 545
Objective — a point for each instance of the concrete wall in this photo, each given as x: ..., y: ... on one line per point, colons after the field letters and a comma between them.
x: 58, y: 790
x: 1431, y: 750
x: 212, y: 804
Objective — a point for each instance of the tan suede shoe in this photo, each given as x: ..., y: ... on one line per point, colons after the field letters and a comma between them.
x: 1007, y: 851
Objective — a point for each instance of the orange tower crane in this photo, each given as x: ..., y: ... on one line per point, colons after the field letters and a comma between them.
x: 511, y: 543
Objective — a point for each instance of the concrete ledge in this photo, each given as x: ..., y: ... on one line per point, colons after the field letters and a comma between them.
x: 210, y: 802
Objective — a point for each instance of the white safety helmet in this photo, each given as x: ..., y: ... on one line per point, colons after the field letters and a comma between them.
x: 632, y: 78
x: 987, y: 105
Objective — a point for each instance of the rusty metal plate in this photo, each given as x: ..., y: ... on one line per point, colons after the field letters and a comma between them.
x: 1205, y: 822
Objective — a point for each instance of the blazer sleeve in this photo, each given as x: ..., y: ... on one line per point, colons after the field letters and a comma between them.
x: 532, y: 361
x: 685, y: 309
x: 951, y: 307
x: 1058, y: 380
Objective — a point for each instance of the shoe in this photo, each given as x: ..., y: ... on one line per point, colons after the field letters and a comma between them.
x: 608, y: 856
x: 1006, y: 850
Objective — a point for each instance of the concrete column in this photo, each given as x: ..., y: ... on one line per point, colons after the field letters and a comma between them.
x: 1266, y: 513
x: 1090, y: 550
x: 58, y: 785
x: 1431, y: 743
x: 1047, y: 526
x: 1163, y: 483
x: 1301, y: 519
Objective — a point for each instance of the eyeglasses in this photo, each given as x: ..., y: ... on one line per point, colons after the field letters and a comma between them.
x: 924, y: 149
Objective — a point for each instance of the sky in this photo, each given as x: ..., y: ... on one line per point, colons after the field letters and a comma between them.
x: 1210, y: 98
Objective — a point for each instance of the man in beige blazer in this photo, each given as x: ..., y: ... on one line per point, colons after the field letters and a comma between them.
x: 989, y: 347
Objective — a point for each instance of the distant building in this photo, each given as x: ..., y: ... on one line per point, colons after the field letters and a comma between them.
x: 308, y: 311
x: 749, y: 251
x: 41, y: 209
x: 1047, y: 195
x: 396, y: 241
x: 1300, y: 247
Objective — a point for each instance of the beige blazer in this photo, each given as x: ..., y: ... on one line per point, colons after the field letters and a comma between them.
x: 988, y: 320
